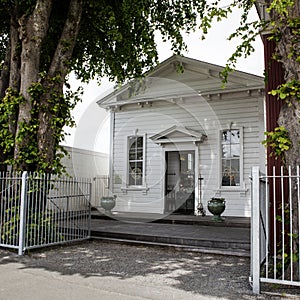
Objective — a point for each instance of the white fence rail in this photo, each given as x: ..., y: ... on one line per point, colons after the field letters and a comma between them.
x: 40, y: 210
x: 275, y: 227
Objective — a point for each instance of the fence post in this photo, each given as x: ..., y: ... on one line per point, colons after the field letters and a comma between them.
x: 255, y: 231
x: 22, y: 230
x: 90, y: 209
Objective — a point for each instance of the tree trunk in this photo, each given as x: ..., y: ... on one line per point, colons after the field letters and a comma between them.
x: 4, y: 78
x: 15, y: 62
x: 289, y: 118
x: 4, y: 84
x: 47, y: 133
x: 288, y: 48
x: 10, y: 77
x: 32, y: 32
x: 15, y: 59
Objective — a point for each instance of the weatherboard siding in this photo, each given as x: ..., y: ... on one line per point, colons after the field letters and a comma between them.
x: 212, y: 115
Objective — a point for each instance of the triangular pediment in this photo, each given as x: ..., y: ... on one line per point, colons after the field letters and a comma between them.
x: 165, y: 82
x: 179, y: 134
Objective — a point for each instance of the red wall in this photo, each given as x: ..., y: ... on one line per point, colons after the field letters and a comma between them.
x: 274, y: 77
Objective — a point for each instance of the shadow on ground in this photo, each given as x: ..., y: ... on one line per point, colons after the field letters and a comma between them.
x: 203, y: 274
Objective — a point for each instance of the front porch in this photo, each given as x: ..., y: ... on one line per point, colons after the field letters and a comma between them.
x: 185, y: 232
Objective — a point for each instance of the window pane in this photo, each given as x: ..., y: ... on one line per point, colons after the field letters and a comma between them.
x: 230, y: 143
x: 234, y: 136
x: 135, y: 160
x: 132, y: 141
x: 230, y: 172
x: 132, y: 154
x: 139, y: 154
x: 135, y: 173
x: 230, y: 157
x: 225, y: 165
x: 226, y: 137
x: 235, y: 170
x: 139, y: 142
x: 190, y: 162
x: 136, y: 148
x: 225, y: 151
x: 235, y: 150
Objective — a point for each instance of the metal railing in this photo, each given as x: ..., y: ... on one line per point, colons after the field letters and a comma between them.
x: 10, y: 203
x: 100, y: 189
x: 275, y: 227
x: 41, y: 210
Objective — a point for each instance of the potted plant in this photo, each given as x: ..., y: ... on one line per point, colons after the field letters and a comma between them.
x: 108, y: 203
x: 216, y: 206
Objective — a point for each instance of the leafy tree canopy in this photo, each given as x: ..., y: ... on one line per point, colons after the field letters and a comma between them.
x: 42, y: 41
x: 116, y: 38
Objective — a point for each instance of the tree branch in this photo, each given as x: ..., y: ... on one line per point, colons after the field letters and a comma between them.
x: 46, y: 135
x: 67, y: 41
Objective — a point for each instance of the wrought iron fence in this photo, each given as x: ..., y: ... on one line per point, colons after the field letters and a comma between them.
x: 38, y: 210
x: 275, y: 227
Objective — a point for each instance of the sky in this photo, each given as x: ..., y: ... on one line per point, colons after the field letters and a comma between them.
x: 92, y: 130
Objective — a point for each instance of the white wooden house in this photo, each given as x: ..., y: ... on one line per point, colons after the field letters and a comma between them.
x: 180, y: 138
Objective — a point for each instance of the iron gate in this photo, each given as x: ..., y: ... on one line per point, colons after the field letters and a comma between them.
x: 37, y: 210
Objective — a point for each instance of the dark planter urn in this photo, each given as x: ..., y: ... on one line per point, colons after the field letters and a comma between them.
x: 216, y: 206
x: 108, y: 203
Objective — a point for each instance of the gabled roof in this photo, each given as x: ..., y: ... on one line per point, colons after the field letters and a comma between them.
x: 199, y: 77
x: 178, y: 134
x: 262, y: 10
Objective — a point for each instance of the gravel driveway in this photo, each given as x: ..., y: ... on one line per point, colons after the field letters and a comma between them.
x: 148, y: 272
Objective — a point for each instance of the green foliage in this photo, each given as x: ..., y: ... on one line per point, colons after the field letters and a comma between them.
x: 115, y: 39
x: 284, y: 256
x: 118, y: 37
x: 39, y: 229
x: 8, y: 229
x: 288, y: 90
x: 247, y: 30
x: 60, y: 107
x: 248, y: 33
x: 278, y: 140
x: 285, y: 23
x: 281, y: 6
x: 8, y: 109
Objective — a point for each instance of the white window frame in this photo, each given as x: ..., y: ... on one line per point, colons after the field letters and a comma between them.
x: 143, y: 187
x: 240, y: 187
